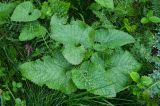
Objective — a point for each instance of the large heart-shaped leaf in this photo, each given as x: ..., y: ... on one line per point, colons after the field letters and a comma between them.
x: 74, y: 55
x: 32, y: 30
x: 25, y: 12
x: 93, y: 78
x: 74, y: 33
x: 49, y: 71
x: 121, y: 65
x: 76, y: 37
x: 111, y: 39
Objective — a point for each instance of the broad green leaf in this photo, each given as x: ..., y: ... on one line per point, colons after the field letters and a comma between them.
x: 75, y: 33
x: 92, y: 77
x: 106, y: 3
x: 50, y: 71
x: 56, y: 21
x: 76, y: 37
x: 74, y: 55
x: 32, y: 30
x: 96, y: 59
x: 154, y: 19
x: 135, y: 76
x: 25, y: 12
x: 5, y: 11
x: 121, y: 65
x: 111, y: 39
x: 144, y: 20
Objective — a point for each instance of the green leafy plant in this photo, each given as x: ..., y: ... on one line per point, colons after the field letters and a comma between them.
x: 91, y: 75
x: 128, y: 26
x: 150, y: 18
x: 79, y: 53
x: 147, y: 87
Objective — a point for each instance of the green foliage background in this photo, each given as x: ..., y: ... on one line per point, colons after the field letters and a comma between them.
x: 79, y: 53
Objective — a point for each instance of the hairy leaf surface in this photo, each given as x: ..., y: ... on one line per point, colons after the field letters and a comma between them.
x: 121, y: 65
x: 73, y: 54
x: 103, y: 80
x: 74, y: 33
x: 93, y: 78
x: 111, y: 39
x: 76, y: 37
x: 52, y: 72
